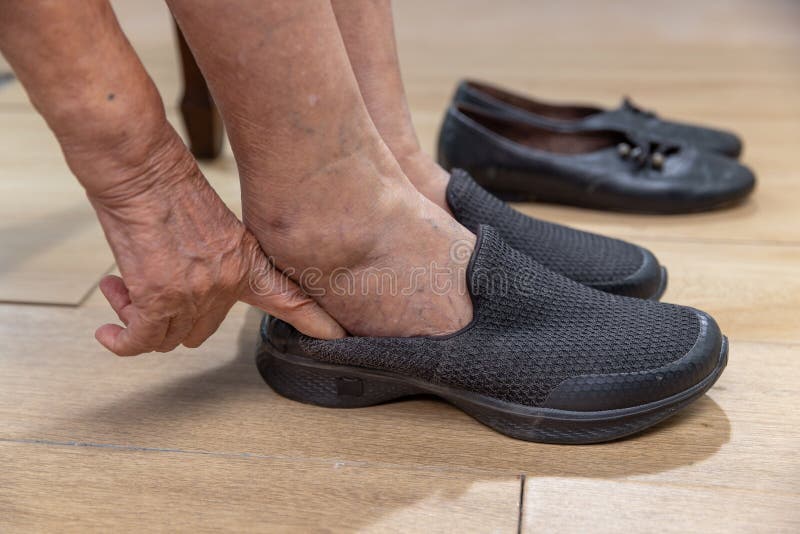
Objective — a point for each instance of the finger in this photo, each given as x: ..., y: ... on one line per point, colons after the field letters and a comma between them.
x: 107, y: 335
x: 179, y: 327
x: 205, y: 327
x: 271, y: 291
x: 116, y: 293
x: 141, y: 335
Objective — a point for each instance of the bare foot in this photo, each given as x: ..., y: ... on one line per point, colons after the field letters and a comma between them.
x: 382, y: 260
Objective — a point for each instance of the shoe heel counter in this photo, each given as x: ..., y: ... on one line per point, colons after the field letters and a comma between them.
x: 460, y: 145
x: 280, y: 335
x: 465, y: 95
x: 474, y: 97
x: 447, y: 142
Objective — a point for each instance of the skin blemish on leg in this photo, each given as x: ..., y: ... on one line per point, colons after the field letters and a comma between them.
x: 312, y: 100
x: 278, y: 224
x: 110, y: 96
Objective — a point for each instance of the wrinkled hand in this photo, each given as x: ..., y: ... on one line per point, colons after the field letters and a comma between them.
x: 185, y: 259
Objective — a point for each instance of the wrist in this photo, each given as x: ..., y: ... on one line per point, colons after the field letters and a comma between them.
x: 117, y: 175
x: 110, y: 139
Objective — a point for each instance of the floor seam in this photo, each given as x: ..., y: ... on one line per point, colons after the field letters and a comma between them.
x: 94, y: 287
x: 257, y: 456
x: 520, y: 517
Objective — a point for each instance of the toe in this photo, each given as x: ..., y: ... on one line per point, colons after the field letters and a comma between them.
x: 634, y: 389
x: 728, y: 144
x: 647, y: 281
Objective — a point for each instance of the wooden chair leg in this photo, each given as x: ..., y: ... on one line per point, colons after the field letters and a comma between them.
x: 200, y: 115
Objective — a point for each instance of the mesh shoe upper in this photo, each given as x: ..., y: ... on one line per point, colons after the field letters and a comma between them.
x: 532, y: 330
x: 582, y: 256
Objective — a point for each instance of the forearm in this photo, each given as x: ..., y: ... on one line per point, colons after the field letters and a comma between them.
x: 185, y: 258
x: 83, y: 76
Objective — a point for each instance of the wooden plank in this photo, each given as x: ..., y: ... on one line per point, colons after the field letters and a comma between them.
x: 53, y: 250
x: 101, y: 489
x: 577, y: 505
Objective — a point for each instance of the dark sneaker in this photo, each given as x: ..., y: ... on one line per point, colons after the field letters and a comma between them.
x: 601, y: 262
x: 627, y: 117
x: 602, y: 169
x: 544, y: 358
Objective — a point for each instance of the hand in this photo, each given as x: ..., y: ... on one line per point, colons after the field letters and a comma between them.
x: 185, y: 259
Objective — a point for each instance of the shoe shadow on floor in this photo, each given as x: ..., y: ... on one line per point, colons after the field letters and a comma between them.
x: 229, y: 408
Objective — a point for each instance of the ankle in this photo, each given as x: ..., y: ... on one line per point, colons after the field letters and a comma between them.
x: 397, y: 275
x: 412, y: 283
x: 365, y: 244
x: 427, y: 176
x: 334, y: 224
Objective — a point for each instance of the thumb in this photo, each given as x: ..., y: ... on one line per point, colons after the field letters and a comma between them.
x: 270, y: 290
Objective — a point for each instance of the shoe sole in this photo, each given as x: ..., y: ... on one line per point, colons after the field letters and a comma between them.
x: 338, y: 386
x: 527, y: 198
x: 565, y: 194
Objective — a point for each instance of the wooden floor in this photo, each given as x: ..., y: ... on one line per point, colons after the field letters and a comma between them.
x: 195, y: 440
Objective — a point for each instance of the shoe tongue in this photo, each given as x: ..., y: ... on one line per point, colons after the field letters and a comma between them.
x: 470, y: 203
x: 458, y: 189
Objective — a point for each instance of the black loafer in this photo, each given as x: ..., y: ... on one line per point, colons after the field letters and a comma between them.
x: 544, y: 358
x: 627, y: 117
x: 602, y: 169
x: 601, y: 262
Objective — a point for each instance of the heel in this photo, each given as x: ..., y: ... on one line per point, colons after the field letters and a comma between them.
x: 310, y: 382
